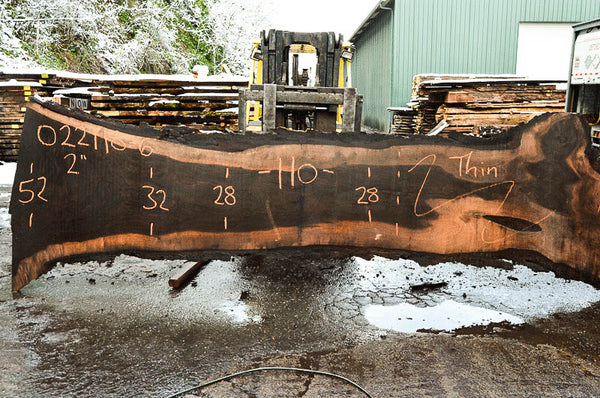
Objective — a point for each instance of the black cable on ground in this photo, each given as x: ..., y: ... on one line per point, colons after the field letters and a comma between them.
x: 272, y: 368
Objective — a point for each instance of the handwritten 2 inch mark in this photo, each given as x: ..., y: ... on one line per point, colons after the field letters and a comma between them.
x: 433, y: 158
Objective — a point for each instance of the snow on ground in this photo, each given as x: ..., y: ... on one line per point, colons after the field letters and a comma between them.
x: 4, y: 218
x: 7, y: 173
x: 220, y: 280
x: 471, y: 296
x: 448, y: 315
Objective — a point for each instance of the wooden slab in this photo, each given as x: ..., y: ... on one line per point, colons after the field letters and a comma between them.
x: 87, y: 188
x: 185, y: 273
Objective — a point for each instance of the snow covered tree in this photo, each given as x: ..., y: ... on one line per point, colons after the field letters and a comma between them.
x: 12, y: 51
x: 235, y: 25
x: 129, y: 36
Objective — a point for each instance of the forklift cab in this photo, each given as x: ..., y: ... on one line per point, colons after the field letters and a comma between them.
x: 583, y: 92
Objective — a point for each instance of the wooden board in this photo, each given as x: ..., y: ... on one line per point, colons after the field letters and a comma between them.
x: 472, y: 95
x: 457, y: 120
x: 87, y: 188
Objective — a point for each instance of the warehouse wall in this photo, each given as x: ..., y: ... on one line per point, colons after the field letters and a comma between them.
x: 455, y: 36
x: 371, y: 72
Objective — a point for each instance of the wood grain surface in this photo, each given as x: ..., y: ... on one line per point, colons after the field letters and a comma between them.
x: 87, y: 188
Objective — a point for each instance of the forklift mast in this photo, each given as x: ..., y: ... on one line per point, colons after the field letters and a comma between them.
x: 300, y: 81
x: 276, y: 51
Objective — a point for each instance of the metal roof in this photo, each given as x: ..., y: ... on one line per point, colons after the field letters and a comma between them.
x: 373, y: 15
x: 586, y: 25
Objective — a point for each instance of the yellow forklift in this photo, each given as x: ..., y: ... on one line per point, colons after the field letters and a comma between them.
x: 300, y: 81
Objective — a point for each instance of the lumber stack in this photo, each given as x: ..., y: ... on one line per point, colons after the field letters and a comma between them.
x: 404, y: 120
x: 14, y: 95
x: 206, y: 103
x: 16, y: 87
x: 427, y: 77
x: 483, y: 105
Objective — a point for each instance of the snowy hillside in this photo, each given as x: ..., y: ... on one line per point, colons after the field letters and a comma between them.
x: 136, y: 36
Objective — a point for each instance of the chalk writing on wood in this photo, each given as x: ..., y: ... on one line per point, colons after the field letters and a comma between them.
x: 191, y: 193
x: 225, y: 196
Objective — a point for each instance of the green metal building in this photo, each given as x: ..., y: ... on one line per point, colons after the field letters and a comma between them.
x: 402, y: 38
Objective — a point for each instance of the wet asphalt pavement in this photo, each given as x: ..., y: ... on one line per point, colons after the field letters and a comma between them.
x: 116, y: 329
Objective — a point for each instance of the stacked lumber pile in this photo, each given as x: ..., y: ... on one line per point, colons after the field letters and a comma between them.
x: 404, y: 121
x: 14, y: 96
x: 483, y: 105
x: 15, y: 89
x: 427, y: 77
x: 208, y: 103
x: 205, y: 103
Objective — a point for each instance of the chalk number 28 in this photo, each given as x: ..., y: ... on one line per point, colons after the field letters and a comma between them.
x: 369, y: 195
x: 225, y: 196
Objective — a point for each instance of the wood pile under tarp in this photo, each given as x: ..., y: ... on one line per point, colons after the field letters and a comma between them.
x: 482, y: 104
x: 208, y: 103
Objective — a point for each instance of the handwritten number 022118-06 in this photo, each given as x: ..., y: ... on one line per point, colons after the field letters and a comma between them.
x: 48, y: 136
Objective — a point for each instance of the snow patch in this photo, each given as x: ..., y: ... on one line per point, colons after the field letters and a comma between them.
x: 7, y: 173
x: 4, y: 218
x: 238, y: 312
x: 15, y: 83
x: 448, y: 315
x: 162, y: 102
x: 517, y: 295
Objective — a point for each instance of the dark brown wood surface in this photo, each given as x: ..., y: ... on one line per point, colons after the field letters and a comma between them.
x: 87, y: 188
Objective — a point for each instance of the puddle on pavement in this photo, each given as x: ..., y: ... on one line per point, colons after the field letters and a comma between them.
x: 85, y: 324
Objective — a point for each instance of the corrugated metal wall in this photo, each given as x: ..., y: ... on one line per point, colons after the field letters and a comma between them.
x: 372, y: 72
x: 454, y: 36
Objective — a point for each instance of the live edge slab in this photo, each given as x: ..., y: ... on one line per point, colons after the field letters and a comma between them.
x: 87, y: 188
